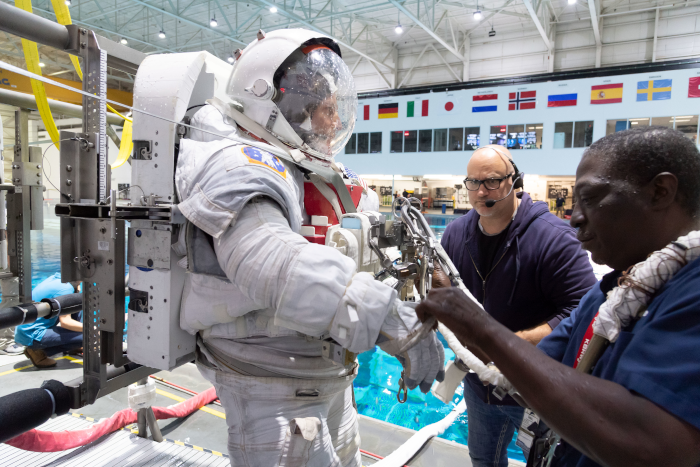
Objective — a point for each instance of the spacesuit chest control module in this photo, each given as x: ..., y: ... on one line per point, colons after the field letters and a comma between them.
x: 276, y: 267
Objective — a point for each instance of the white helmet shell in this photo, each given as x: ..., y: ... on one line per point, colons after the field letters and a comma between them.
x: 310, y: 104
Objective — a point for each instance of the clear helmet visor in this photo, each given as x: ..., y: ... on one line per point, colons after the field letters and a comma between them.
x: 316, y: 95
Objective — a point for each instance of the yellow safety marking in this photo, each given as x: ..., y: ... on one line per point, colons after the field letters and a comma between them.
x: 31, y: 56
x: 217, y: 453
x: 180, y: 399
x: 14, y: 370
x: 126, y: 147
x: 63, y: 17
x: 197, y: 448
x: 179, y: 443
x: 76, y: 360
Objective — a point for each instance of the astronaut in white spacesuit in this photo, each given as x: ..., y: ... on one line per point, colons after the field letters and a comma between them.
x: 260, y: 296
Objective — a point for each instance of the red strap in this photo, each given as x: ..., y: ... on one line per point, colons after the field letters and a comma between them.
x: 584, y: 343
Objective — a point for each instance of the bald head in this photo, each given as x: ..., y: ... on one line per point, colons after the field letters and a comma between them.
x: 492, y: 162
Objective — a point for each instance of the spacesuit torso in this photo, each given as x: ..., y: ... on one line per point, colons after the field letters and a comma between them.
x: 221, y: 183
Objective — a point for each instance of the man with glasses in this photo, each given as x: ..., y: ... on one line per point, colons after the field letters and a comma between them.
x: 525, y: 266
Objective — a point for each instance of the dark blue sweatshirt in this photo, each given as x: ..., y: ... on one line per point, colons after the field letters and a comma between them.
x: 539, y: 275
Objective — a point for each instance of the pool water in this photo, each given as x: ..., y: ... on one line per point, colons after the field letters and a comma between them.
x: 376, y: 385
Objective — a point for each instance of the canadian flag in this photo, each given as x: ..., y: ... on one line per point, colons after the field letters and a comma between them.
x: 694, y: 87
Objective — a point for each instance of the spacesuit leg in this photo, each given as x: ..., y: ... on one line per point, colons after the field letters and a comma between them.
x: 264, y: 414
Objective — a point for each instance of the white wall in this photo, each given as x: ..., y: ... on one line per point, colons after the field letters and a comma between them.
x: 545, y: 161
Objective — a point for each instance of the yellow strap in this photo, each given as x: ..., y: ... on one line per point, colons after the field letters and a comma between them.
x: 127, y: 144
x: 31, y: 56
x: 126, y: 147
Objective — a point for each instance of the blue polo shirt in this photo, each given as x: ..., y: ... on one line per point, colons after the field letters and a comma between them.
x: 658, y: 357
x: 48, y: 288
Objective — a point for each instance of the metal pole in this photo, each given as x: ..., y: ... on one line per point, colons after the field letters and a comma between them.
x: 35, y: 28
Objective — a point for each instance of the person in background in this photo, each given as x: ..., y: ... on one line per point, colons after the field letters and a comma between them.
x: 405, y: 194
x: 45, y: 337
x: 559, y: 202
x: 525, y: 266
x: 637, y: 191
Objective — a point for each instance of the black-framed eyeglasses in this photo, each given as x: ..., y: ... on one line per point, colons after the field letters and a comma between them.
x: 489, y: 183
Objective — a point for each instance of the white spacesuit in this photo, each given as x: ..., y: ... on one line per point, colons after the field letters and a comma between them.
x: 263, y: 298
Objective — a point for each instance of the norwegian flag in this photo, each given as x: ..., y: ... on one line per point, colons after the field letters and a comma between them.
x: 522, y: 100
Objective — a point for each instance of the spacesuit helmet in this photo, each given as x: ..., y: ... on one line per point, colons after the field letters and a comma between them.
x: 295, y: 84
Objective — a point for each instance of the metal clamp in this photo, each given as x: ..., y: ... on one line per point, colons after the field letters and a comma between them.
x: 404, y: 388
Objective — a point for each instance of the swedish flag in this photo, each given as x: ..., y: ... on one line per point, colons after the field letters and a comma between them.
x: 654, y: 90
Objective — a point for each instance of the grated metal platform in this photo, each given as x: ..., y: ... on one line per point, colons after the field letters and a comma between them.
x: 121, y: 448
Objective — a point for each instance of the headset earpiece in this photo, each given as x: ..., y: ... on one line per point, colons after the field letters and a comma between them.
x: 517, y: 176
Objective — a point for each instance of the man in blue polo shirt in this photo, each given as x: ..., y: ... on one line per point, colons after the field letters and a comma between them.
x: 636, y: 192
x: 44, y: 337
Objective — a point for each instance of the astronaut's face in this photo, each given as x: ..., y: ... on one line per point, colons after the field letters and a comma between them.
x: 325, y: 120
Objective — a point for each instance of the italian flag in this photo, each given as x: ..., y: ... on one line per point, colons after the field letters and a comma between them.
x: 411, y: 108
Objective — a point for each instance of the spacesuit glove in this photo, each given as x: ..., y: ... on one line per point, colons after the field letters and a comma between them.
x: 414, y: 344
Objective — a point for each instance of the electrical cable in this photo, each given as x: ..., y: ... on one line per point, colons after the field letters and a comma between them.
x: 43, y: 166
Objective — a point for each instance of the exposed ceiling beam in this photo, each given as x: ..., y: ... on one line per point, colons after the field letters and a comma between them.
x: 427, y: 29
x: 536, y: 20
x: 189, y: 22
x: 485, y: 20
x: 594, y: 21
x: 304, y: 22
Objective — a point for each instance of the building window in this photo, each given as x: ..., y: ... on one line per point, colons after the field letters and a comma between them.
x: 563, y: 132
x: 410, y: 141
x: 516, y: 137
x: 351, y: 147
x: 375, y: 142
x: 397, y: 141
x: 533, y: 136
x: 497, y: 135
x: 573, y: 134
x: 363, y: 143
x: 425, y: 140
x: 456, y: 139
x: 583, y: 134
x: 688, y: 125
x: 472, y: 138
x: 441, y: 140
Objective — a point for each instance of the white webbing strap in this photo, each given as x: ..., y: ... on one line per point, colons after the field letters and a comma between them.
x: 320, y: 184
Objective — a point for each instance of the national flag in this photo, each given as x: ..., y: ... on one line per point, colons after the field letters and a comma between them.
x: 389, y: 110
x: 449, y: 106
x: 485, y: 97
x: 366, y: 112
x: 694, y: 87
x: 411, y: 108
x: 606, y: 94
x: 522, y: 100
x: 484, y: 108
x: 654, y: 90
x: 562, y: 100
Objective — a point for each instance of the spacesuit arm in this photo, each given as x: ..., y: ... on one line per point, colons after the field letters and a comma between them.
x: 312, y: 288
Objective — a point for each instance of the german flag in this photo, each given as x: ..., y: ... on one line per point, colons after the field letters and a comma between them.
x: 389, y: 110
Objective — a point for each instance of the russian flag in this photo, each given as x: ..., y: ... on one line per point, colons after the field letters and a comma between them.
x: 562, y: 100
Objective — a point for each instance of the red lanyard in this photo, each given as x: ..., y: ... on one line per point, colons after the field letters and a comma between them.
x: 584, y: 343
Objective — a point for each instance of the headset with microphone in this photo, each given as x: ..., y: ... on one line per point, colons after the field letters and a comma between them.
x: 517, y: 183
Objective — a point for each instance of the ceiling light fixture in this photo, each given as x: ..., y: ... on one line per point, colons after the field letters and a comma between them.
x: 213, y: 23
x: 42, y: 64
x: 398, y: 29
x: 68, y: 2
x: 571, y: 2
x: 124, y: 41
x: 492, y: 32
x: 273, y: 9
x: 230, y: 59
x: 477, y: 13
x: 161, y: 34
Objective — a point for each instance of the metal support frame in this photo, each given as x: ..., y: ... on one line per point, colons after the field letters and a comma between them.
x: 92, y: 234
x: 594, y: 10
x: 656, y: 36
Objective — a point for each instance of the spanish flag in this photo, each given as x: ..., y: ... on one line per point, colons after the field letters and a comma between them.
x: 606, y: 94
x: 389, y: 110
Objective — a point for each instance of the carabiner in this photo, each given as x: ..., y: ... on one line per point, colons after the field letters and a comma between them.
x: 404, y: 388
